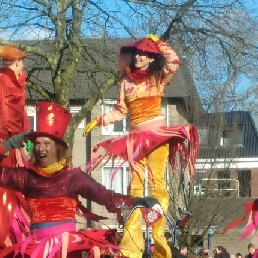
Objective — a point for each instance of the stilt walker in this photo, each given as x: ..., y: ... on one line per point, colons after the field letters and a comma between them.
x: 14, y: 222
x: 147, y: 66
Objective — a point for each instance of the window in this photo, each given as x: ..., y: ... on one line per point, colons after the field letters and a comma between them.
x: 118, y: 128
x: 31, y: 111
x: 73, y: 111
x: 203, y: 133
x: 121, y: 179
x: 231, y: 135
x: 223, y: 182
x: 32, y: 122
x: 244, y: 178
x: 121, y: 127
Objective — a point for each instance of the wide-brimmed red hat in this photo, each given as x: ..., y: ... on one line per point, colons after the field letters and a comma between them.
x: 52, y: 121
x: 145, y: 44
x: 11, y: 53
x: 125, y: 56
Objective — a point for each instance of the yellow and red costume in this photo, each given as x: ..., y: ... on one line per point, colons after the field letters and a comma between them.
x: 13, y: 120
x: 52, y: 194
x: 149, y: 142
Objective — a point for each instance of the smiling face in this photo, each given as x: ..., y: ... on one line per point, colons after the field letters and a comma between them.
x: 141, y: 60
x: 46, y: 151
x: 183, y: 251
x: 251, y: 250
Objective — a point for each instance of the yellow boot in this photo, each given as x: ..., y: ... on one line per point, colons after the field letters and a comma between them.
x: 157, y: 160
x: 161, y: 248
x: 132, y: 243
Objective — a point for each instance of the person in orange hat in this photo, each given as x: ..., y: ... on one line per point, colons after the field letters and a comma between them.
x: 147, y: 66
x: 51, y: 188
x: 13, y: 121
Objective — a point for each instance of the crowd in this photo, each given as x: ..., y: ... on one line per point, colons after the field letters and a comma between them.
x: 219, y: 252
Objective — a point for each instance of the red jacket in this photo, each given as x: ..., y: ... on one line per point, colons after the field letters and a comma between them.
x: 13, y: 116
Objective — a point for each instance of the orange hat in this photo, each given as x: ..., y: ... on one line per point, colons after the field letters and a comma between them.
x: 11, y: 53
x: 52, y: 121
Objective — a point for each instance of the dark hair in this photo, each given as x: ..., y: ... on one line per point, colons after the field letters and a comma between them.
x: 154, y: 66
x: 221, y: 248
x: 167, y: 235
x: 238, y: 255
x: 182, y: 246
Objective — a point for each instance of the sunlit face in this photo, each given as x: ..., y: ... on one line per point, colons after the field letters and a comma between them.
x: 251, y: 250
x: 19, y: 65
x: 141, y: 60
x: 183, y: 251
x: 46, y: 151
x: 217, y: 250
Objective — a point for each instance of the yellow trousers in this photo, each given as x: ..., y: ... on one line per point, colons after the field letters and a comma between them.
x: 133, y: 243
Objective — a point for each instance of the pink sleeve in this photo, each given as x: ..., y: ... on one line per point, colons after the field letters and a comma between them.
x: 116, y: 114
x: 172, y: 61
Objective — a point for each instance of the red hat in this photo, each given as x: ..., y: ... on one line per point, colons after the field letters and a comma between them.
x: 144, y: 44
x: 125, y: 57
x: 52, y: 121
x: 11, y: 53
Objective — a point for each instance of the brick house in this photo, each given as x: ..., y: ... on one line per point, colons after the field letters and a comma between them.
x: 227, y: 172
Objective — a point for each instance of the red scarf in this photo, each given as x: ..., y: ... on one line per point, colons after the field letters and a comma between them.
x: 138, y: 75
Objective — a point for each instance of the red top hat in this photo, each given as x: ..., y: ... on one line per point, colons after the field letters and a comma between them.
x: 11, y: 53
x: 52, y: 121
x: 144, y: 44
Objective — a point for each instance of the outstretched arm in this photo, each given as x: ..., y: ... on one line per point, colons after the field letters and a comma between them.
x: 116, y: 114
x: 90, y: 189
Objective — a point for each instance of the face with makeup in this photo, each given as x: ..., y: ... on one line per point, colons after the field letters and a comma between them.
x: 142, y: 60
x: 46, y: 151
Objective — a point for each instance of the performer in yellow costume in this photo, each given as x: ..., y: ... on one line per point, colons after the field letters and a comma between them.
x: 149, y: 142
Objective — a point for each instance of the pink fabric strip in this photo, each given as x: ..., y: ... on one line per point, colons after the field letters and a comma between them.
x: 21, y: 216
x: 148, y: 126
x: 55, y: 230
x: 19, y: 160
x: 25, y: 244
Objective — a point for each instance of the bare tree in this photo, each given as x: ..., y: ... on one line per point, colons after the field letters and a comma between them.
x: 218, y: 39
x: 221, y: 186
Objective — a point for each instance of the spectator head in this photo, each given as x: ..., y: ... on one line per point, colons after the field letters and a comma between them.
x: 251, y: 248
x: 204, y: 252
x: 183, y: 249
x: 220, y: 249
x: 168, y: 236
x: 238, y: 255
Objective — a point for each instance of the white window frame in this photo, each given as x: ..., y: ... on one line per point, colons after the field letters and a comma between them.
x: 109, y: 130
x: 106, y: 179
x: 234, y: 136
x: 31, y: 112
x: 75, y: 110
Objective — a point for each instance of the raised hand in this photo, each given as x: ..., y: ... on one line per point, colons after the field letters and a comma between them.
x: 15, y: 141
